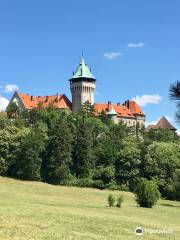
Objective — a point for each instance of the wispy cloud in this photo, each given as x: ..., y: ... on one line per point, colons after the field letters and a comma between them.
x: 10, y: 88
x: 3, y: 103
x: 136, y: 45
x: 147, y: 99
x: 112, y: 55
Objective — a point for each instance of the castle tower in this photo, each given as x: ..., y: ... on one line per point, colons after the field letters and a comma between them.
x: 82, y: 86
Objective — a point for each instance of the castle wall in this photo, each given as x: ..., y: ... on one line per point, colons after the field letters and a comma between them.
x: 130, y: 121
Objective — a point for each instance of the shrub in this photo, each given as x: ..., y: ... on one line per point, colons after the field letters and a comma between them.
x: 111, y: 200
x: 147, y: 193
x: 120, y: 200
x: 98, y: 184
x: 112, y: 186
x: 82, y: 182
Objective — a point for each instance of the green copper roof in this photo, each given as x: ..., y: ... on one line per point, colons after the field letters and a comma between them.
x: 82, y: 71
x: 112, y: 112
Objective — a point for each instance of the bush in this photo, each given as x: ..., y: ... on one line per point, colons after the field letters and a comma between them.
x: 112, y: 186
x: 120, y: 200
x: 82, y: 182
x: 147, y: 193
x: 98, y: 184
x: 111, y: 200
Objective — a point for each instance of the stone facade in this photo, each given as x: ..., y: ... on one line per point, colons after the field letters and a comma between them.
x: 81, y: 92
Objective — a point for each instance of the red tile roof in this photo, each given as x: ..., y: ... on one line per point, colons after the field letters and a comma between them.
x: 134, y: 107
x: 122, y: 110
x: 57, y: 101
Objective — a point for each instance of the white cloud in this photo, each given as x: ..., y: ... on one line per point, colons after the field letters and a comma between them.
x: 3, y: 103
x: 136, y: 45
x: 178, y: 132
x: 10, y: 88
x: 151, y: 123
x: 147, y: 99
x: 112, y: 55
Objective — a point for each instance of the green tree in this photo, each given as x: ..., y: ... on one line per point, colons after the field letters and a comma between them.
x: 59, y: 156
x: 13, y: 110
x: 128, y: 163
x: 87, y: 109
x: 160, y: 163
x: 47, y: 116
x: 147, y: 193
x: 11, y: 138
x: 83, y: 154
x: 160, y: 135
x: 174, y: 93
x: 29, y: 156
x: 176, y: 180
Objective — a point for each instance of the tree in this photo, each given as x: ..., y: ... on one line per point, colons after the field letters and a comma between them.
x: 147, y: 193
x: 160, y: 163
x: 87, y: 109
x: 105, y: 118
x: 160, y: 135
x: 59, y: 155
x: 29, y: 156
x: 174, y: 93
x: 105, y: 174
x: 128, y: 163
x: 47, y: 116
x: 176, y: 180
x: 13, y: 110
x: 173, y: 189
x: 11, y: 138
x: 83, y: 154
x: 4, y: 121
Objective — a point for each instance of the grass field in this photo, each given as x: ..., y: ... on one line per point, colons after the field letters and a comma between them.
x: 32, y: 210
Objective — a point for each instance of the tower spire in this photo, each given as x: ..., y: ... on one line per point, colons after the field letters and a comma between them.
x: 82, y: 85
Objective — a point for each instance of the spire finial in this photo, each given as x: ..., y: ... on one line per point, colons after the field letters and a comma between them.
x: 82, y: 54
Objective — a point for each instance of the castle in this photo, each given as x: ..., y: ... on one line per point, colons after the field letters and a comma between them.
x: 82, y: 86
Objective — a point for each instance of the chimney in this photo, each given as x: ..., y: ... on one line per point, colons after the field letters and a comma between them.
x: 109, y: 103
x: 46, y: 99
x: 118, y: 104
x: 32, y: 98
x: 126, y: 103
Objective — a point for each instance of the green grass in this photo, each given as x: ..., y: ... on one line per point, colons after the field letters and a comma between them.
x: 38, y: 211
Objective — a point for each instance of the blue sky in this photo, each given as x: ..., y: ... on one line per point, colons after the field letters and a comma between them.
x: 132, y: 47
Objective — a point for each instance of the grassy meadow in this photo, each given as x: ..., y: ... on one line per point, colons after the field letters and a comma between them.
x: 39, y: 211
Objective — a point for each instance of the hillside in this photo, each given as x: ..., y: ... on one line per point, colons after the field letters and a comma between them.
x: 38, y: 211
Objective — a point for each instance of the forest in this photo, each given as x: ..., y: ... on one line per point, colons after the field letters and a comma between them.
x: 80, y: 149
